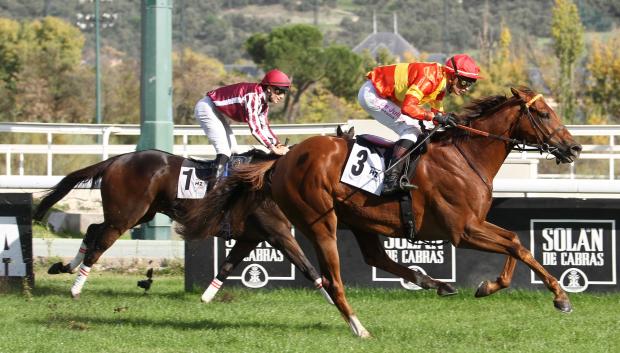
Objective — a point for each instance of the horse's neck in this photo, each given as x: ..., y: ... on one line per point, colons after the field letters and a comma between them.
x: 487, y: 154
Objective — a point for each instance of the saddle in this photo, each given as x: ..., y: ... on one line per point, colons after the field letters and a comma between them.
x: 205, y: 169
x: 384, y: 146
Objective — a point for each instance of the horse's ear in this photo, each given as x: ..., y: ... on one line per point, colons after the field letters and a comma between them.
x: 339, y: 131
x: 351, y: 132
x: 515, y: 92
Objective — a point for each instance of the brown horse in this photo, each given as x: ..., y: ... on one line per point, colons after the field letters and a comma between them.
x: 454, y: 178
x: 135, y: 186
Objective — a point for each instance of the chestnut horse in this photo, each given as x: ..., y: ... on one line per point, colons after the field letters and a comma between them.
x: 135, y: 186
x: 454, y: 178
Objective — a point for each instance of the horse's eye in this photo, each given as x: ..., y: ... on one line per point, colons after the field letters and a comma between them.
x: 544, y: 115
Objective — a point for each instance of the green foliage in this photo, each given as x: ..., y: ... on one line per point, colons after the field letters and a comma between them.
x: 298, y: 50
x: 506, y: 69
x: 344, y: 72
x: 567, y: 33
x: 603, y: 83
x: 194, y: 75
x: 9, y: 51
x: 320, y: 105
x: 40, y: 65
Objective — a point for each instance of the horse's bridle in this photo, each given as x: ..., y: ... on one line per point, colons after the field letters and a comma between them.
x: 543, y: 136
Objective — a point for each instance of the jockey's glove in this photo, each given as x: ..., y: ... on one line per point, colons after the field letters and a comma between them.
x: 447, y: 119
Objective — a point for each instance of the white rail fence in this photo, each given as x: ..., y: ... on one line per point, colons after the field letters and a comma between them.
x: 605, y: 151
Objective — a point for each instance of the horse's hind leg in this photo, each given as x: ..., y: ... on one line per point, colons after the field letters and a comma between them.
x: 240, y: 250
x: 374, y: 255
x: 103, y: 236
x: 486, y: 237
x: 273, y: 226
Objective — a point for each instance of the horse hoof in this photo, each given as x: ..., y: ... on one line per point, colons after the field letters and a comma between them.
x: 483, y: 289
x: 446, y: 289
x: 75, y: 296
x: 55, y: 268
x: 563, y: 306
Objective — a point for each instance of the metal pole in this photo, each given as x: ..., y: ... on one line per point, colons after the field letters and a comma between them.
x: 97, y: 67
x: 156, y: 125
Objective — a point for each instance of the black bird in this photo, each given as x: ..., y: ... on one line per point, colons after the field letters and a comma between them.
x: 146, y: 283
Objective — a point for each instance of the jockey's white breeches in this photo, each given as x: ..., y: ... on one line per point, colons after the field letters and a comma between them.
x: 388, y: 113
x: 215, y: 126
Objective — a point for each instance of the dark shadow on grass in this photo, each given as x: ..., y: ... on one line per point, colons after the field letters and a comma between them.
x: 64, y: 291
x: 60, y: 320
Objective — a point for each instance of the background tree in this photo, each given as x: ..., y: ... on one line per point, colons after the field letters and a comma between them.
x: 603, y: 82
x: 298, y: 51
x: 194, y: 74
x: 49, y: 83
x: 567, y: 34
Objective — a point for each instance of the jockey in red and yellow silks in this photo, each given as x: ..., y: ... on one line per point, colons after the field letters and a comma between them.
x: 411, y: 85
x: 394, y: 96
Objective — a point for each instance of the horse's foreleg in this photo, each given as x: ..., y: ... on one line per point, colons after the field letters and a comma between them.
x: 486, y: 237
x: 59, y: 267
x: 374, y: 255
x: 486, y: 288
x: 240, y: 250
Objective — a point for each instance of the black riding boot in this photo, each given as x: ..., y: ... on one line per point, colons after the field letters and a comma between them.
x: 394, y: 181
x: 220, y: 161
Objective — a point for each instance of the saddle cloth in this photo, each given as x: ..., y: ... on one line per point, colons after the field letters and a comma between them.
x: 195, y: 175
x: 366, y: 163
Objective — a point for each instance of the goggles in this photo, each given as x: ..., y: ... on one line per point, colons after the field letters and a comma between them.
x: 279, y: 90
x: 464, y: 82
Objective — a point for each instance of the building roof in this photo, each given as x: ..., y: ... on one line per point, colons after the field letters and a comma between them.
x: 394, y: 42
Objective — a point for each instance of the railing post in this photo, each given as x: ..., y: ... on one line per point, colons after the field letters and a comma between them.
x: 105, y: 142
x: 612, y: 161
x: 8, y: 162
x: 21, y: 164
x: 185, y: 143
x: 49, y: 153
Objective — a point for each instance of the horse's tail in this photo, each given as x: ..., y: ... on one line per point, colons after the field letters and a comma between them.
x: 228, y: 204
x: 56, y: 193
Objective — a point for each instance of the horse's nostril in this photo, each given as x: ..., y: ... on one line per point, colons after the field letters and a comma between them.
x: 576, y: 148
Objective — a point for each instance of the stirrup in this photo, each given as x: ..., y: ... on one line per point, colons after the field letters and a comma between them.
x: 405, y: 185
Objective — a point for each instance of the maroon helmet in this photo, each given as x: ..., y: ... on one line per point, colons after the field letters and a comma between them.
x: 276, y: 78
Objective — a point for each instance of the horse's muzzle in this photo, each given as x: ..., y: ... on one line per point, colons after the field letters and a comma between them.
x: 567, y: 153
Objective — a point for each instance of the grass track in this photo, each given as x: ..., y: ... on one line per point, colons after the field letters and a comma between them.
x: 114, y: 316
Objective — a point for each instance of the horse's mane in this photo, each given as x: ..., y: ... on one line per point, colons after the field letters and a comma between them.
x: 258, y: 155
x: 235, y: 196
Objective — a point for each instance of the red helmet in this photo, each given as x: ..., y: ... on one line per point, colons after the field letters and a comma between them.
x: 465, y: 66
x: 276, y: 78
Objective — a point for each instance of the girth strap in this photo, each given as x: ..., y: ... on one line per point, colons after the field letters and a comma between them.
x: 407, y: 217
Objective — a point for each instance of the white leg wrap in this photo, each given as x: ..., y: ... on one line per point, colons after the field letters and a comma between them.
x: 80, y: 280
x: 211, y: 291
x: 357, y: 328
x: 77, y: 260
x: 318, y: 283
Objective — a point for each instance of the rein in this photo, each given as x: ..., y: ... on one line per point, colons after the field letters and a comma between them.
x: 542, y: 144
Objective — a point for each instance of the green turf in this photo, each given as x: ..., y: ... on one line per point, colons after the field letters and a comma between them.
x: 114, y: 316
